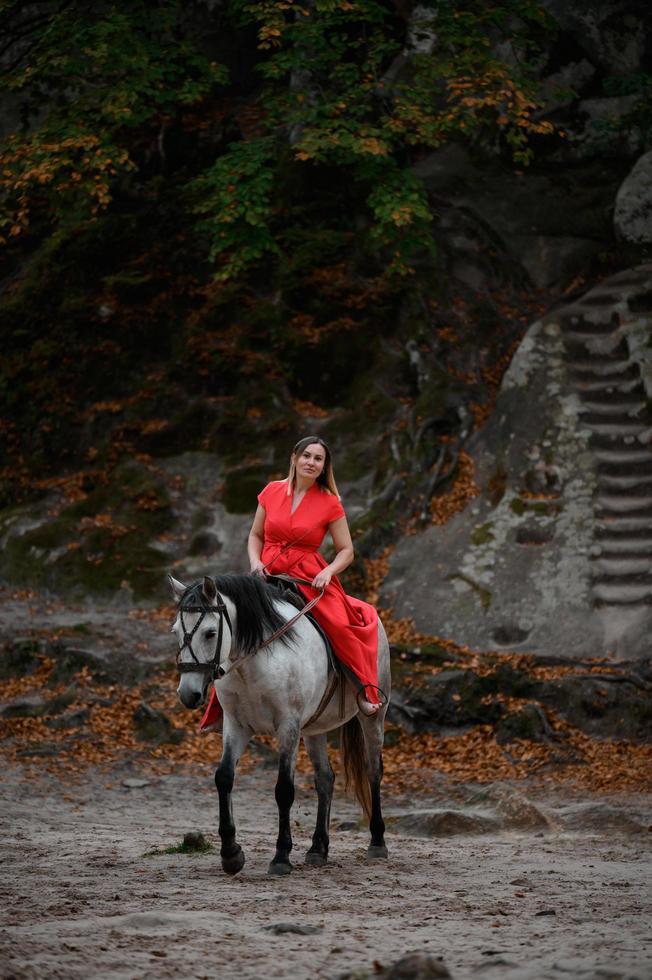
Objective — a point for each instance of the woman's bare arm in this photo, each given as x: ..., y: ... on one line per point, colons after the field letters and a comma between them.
x: 343, y: 546
x: 255, y: 541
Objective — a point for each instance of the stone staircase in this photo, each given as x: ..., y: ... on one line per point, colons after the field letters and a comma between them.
x: 605, y: 371
x: 558, y: 563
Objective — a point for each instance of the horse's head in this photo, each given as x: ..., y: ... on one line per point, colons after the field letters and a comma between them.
x: 203, y: 630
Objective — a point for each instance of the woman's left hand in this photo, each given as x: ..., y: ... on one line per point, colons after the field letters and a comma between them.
x: 322, y: 579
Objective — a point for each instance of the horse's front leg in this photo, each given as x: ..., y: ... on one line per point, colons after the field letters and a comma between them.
x: 284, y: 792
x: 324, y: 779
x: 235, y: 739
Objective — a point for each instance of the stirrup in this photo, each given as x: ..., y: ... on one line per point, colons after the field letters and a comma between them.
x: 383, y: 700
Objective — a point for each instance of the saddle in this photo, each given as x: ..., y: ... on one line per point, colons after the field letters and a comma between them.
x: 290, y: 593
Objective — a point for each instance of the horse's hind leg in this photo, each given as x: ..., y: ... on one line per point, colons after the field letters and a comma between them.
x: 234, y: 741
x: 284, y: 792
x: 324, y: 779
x: 373, y: 729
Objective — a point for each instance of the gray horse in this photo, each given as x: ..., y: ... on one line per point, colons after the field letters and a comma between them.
x: 279, y: 688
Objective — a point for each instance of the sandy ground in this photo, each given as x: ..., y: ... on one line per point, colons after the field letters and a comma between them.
x: 83, y: 896
x: 87, y: 892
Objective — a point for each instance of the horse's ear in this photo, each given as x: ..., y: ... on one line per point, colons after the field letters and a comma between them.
x: 209, y: 589
x: 178, y: 588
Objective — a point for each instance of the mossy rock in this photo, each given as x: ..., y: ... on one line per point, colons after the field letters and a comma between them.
x: 39, y: 707
x: 457, y: 697
x: 69, y: 661
x: 96, y: 544
x: 375, y: 528
x: 482, y: 533
x: 434, y: 402
x: 29, y: 707
x: 241, y: 488
x: 404, y: 657
x: 130, y: 485
x: 542, y: 508
x: 525, y: 724
x: 352, y: 431
x: 484, y: 595
x: 600, y: 707
x: 154, y: 726
x: 58, y: 704
x: 505, y: 679
x: 204, y: 543
x: 19, y: 658
x: 200, y: 519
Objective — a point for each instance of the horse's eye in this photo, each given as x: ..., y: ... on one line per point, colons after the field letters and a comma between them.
x: 210, y: 634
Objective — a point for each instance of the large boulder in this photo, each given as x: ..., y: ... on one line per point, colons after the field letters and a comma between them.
x: 599, y: 131
x: 554, y: 556
x: 532, y: 223
x: 612, y: 33
x: 633, y: 210
x: 561, y: 88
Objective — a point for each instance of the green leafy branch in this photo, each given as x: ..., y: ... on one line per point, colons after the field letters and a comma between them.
x: 93, y: 80
x: 234, y: 200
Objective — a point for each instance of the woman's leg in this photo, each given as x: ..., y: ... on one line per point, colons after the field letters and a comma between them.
x: 352, y: 627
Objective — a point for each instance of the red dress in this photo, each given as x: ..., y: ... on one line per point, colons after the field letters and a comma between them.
x: 351, y: 624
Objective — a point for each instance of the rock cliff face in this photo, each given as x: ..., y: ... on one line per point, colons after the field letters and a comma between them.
x: 613, y: 34
x: 138, y: 427
x: 555, y: 555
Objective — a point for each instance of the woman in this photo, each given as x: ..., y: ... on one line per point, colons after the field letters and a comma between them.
x: 291, y: 520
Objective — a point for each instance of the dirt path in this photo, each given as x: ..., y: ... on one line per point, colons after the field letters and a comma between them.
x: 83, y: 895
x: 83, y: 898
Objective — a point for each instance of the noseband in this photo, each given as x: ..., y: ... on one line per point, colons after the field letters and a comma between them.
x: 211, y: 667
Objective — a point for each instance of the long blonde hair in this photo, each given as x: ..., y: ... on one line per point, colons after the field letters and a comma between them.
x: 326, y: 479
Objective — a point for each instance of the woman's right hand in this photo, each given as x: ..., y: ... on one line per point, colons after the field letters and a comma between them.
x: 258, y: 568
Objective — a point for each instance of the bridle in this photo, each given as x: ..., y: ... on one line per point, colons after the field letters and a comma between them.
x: 211, y: 667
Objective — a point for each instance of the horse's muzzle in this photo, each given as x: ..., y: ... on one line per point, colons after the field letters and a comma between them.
x: 189, y: 696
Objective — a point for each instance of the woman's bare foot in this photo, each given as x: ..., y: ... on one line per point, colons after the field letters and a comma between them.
x: 368, y: 708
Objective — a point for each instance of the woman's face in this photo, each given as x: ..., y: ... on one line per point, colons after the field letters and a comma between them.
x: 311, y: 461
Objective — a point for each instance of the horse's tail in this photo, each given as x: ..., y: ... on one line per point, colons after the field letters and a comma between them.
x: 354, y: 763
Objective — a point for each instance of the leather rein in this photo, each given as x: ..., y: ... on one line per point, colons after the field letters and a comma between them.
x: 213, y: 667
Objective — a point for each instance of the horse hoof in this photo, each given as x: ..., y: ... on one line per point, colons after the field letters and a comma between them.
x: 316, y: 860
x: 234, y: 863
x: 278, y: 868
x: 376, y: 852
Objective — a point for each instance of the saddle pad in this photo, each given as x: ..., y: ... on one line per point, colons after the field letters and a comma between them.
x: 292, y: 595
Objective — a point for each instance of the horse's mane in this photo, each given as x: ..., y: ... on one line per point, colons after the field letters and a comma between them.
x: 253, y: 598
